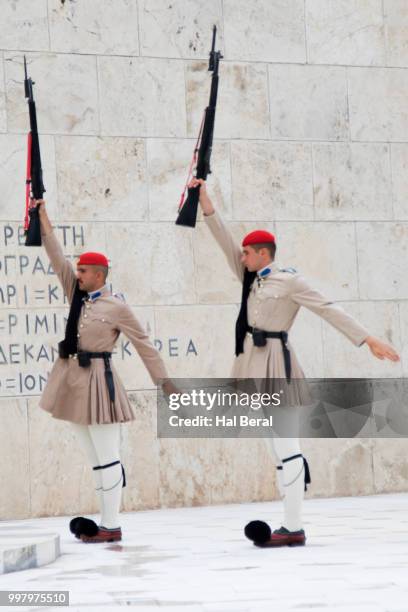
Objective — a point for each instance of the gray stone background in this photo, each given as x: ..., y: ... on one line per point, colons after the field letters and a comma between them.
x: 311, y: 143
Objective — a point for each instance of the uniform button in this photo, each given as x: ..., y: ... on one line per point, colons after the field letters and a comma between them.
x: 88, y: 307
x: 85, y: 316
x: 103, y: 320
x: 78, y: 335
x: 81, y: 325
x: 256, y: 312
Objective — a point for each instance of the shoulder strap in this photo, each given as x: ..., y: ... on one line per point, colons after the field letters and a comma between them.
x: 241, y: 326
x: 69, y: 345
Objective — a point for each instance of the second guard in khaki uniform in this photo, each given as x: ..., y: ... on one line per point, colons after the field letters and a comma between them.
x: 271, y: 299
x: 83, y: 386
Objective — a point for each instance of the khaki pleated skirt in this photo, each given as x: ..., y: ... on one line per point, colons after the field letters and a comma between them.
x: 81, y: 395
x: 266, y: 366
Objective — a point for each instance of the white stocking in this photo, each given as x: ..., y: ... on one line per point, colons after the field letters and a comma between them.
x: 278, y: 464
x: 292, y: 480
x: 84, y: 438
x: 106, y: 440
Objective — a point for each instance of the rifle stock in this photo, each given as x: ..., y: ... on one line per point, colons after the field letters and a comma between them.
x: 33, y: 232
x: 188, y: 213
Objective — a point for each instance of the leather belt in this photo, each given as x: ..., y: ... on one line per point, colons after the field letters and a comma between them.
x: 84, y: 361
x: 259, y: 337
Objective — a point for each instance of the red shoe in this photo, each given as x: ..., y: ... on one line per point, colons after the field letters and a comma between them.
x: 103, y: 535
x: 284, y: 537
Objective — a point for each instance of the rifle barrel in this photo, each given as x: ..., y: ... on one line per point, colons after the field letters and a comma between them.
x: 213, y: 40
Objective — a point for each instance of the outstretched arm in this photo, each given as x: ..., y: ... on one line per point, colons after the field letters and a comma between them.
x: 219, y: 230
x: 304, y: 295
x: 61, y: 266
x: 130, y: 326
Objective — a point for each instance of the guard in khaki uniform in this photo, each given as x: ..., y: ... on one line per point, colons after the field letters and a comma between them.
x: 83, y: 386
x: 271, y: 298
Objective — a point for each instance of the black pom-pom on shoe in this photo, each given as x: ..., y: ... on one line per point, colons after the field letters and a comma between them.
x: 80, y: 525
x: 87, y: 527
x: 258, y: 531
x: 73, y: 524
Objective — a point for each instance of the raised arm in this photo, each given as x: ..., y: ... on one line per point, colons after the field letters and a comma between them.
x: 60, y: 264
x: 220, y: 231
x: 304, y: 295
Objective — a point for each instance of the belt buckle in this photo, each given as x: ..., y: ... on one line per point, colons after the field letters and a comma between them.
x: 74, y: 356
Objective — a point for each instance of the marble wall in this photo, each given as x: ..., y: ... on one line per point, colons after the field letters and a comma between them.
x: 311, y: 142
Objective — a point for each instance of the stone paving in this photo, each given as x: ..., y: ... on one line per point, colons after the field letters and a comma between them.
x: 197, y: 560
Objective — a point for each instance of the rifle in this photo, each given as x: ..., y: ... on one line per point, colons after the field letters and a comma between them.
x: 34, y: 181
x: 188, y: 210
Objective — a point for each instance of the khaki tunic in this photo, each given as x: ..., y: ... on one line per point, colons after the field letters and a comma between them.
x: 273, y: 304
x: 80, y: 394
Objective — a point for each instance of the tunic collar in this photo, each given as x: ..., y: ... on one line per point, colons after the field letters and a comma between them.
x: 271, y: 267
x: 94, y: 295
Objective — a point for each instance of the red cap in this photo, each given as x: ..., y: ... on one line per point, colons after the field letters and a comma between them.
x: 93, y: 259
x: 258, y: 237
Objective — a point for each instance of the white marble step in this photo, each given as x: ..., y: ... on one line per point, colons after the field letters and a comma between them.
x: 24, y: 548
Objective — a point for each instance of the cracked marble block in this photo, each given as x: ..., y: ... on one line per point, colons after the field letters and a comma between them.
x: 382, y: 250
x: 264, y: 30
x: 377, y: 104
x: 168, y: 163
x: 242, y: 107
x: 340, y: 467
x: 24, y: 24
x: 322, y: 252
x: 399, y: 166
x: 308, y: 102
x: 13, y: 161
x: 179, y: 29
x: 109, y: 27
x: 185, y: 469
x: 65, y: 92
x: 390, y: 465
x: 345, y: 32
x: 198, y: 341
x: 3, y: 116
x: 158, y: 268
x: 60, y: 474
x: 102, y: 179
x: 151, y: 100
x: 344, y: 360
x: 352, y: 181
x: 14, y: 459
x: 140, y: 454
x: 396, y: 32
x: 245, y: 471
x: 271, y: 180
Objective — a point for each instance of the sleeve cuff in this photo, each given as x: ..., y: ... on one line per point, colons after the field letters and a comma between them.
x: 211, y: 219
